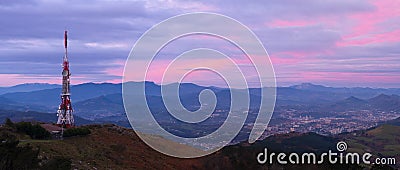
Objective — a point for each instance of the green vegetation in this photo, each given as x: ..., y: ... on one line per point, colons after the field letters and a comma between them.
x: 13, y: 156
x: 60, y: 163
x: 9, y: 123
x: 382, y: 140
x: 18, y: 155
x: 76, y: 132
x: 34, y: 131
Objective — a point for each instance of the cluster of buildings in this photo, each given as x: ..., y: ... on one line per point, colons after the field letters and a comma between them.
x: 335, y: 123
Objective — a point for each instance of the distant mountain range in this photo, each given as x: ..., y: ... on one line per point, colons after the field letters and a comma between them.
x: 102, y: 103
x: 18, y: 116
x: 104, y: 100
x: 381, y: 102
x: 51, y: 97
x: 361, y: 92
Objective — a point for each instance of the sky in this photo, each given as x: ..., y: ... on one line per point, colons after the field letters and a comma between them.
x: 340, y: 43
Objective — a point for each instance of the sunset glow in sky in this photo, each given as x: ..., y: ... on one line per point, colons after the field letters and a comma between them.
x: 333, y: 42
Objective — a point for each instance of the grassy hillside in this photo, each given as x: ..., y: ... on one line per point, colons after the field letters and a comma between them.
x: 114, y: 147
x: 383, y: 141
x: 111, y: 147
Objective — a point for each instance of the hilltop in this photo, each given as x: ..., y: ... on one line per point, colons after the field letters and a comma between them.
x: 113, y: 147
x: 106, y: 147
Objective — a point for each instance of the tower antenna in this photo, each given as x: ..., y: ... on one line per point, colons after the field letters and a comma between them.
x: 64, y: 112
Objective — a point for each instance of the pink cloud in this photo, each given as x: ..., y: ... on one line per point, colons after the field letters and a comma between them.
x: 342, y: 78
x: 392, y: 36
x: 295, y: 57
x: 282, y: 60
x: 176, y: 72
x: 13, y: 79
x: 367, y: 30
x: 116, y: 71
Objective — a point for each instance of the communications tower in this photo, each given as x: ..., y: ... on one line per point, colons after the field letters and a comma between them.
x: 64, y: 112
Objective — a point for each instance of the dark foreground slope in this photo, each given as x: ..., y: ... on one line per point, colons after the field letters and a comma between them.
x: 114, y: 147
x: 111, y: 147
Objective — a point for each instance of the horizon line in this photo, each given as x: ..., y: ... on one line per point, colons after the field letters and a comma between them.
x: 159, y: 84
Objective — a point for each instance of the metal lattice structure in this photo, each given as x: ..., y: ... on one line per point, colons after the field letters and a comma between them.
x: 64, y: 112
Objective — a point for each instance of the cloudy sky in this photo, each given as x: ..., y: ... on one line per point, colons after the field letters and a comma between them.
x: 332, y: 42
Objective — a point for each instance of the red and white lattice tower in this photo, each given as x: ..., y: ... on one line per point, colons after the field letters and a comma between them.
x: 64, y: 112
